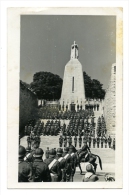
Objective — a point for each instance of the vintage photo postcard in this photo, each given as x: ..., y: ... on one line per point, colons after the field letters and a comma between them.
x: 65, y: 97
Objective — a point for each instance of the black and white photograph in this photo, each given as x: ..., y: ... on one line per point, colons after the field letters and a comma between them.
x: 69, y: 110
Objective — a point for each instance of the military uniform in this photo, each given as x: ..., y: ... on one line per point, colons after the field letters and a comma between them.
x: 54, y: 166
x: 109, y: 141
x: 73, y: 160
x: 114, y: 143
x: 80, y: 141
x: 105, y: 142
x: 90, y: 139
x: 41, y: 171
x: 75, y: 141
x: 98, y: 140
x: 24, y: 168
x: 65, y: 141
x: 60, y: 141
x: 47, y: 153
x: 94, y: 142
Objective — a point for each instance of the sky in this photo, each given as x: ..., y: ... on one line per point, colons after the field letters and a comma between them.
x: 45, y: 44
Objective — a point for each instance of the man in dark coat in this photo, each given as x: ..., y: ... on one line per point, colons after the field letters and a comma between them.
x: 24, y: 167
x: 54, y: 166
x: 41, y: 170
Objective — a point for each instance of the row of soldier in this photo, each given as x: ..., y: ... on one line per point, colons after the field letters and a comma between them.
x: 79, y: 127
x: 54, y: 113
x: 102, y: 142
x: 58, y: 165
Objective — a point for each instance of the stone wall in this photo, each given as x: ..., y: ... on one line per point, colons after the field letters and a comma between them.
x: 28, y: 106
x: 110, y: 103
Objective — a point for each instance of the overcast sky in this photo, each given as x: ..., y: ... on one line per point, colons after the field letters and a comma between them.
x: 46, y: 42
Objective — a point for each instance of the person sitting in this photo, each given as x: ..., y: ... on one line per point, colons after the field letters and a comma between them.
x: 90, y: 175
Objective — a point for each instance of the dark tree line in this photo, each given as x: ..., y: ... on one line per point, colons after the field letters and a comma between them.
x: 93, y: 88
x: 47, y: 85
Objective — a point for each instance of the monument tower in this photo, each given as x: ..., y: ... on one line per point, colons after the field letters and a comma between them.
x: 73, y: 93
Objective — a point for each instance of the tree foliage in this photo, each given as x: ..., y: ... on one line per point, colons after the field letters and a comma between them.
x: 93, y: 88
x: 46, y: 85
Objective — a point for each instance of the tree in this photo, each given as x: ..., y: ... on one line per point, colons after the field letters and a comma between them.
x: 47, y: 85
x: 93, y: 88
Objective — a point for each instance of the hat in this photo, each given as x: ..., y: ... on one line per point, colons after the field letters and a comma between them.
x: 38, y: 152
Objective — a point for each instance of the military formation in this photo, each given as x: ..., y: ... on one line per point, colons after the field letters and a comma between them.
x: 95, y: 142
x: 58, y: 166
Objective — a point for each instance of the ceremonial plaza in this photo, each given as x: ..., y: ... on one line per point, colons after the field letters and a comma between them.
x: 73, y: 119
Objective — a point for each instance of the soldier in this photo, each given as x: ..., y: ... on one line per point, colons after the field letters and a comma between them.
x: 62, y: 162
x: 75, y: 141
x: 90, y: 139
x: 98, y: 140
x: 73, y: 160
x: 24, y: 169
x: 47, y: 153
x: 84, y: 140
x: 70, y: 140
x: 105, y: 142
x: 65, y: 141
x: 54, y: 166
x: 25, y: 131
x: 109, y: 141
x: 60, y: 141
x: 94, y: 142
x: 102, y: 140
x: 114, y: 143
x: 41, y: 170
x: 80, y: 141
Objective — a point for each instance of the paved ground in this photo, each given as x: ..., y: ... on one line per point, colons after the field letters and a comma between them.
x: 107, y: 156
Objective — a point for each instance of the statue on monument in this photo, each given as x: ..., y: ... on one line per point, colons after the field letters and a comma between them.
x: 74, y: 51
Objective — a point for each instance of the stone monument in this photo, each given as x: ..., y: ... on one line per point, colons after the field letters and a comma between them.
x: 73, y: 92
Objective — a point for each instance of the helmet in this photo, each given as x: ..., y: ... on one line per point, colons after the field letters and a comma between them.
x: 52, y: 152
x: 72, y: 147
x: 28, y: 149
x: 38, y: 152
x: 59, y: 151
x: 66, y: 149
x: 22, y: 151
x: 89, y: 168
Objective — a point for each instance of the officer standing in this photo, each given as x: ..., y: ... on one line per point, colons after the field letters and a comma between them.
x: 65, y: 141
x: 62, y: 162
x: 73, y: 160
x: 94, y: 142
x: 41, y: 171
x: 75, y: 141
x: 105, y: 142
x: 80, y: 141
x: 84, y: 140
x: 47, y: 153
x: 54, y: 166
x: 70, y: 140
x: 60, y: 141
x: 109, y: 141
x: 114, y: 143
x: 24, y: 168
x: 90, y: 139
x: 98, y: 140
